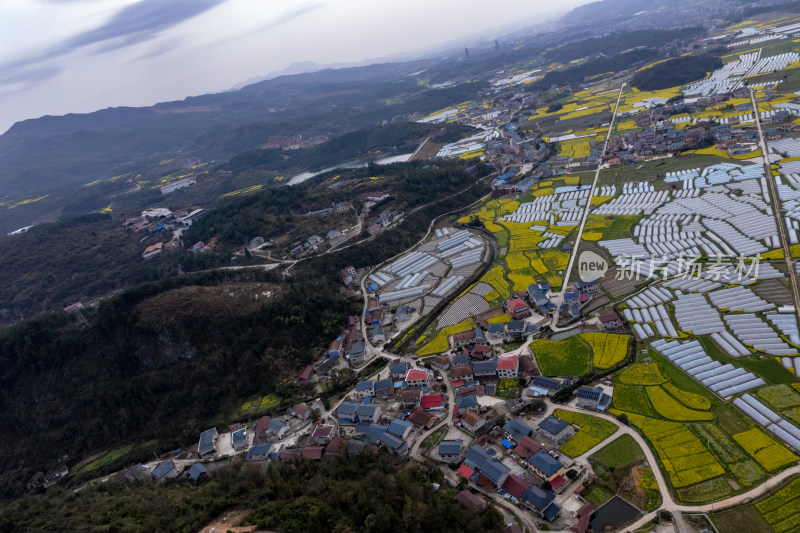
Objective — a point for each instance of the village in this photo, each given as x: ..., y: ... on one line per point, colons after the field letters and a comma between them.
x: 567, y: 402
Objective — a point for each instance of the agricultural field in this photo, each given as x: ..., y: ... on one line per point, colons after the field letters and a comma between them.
x: 685, y: 458
x: 440, y: 343
x: 671, y: 408
x: 632, y: 399
x: 495, y: 278
x: 764, y: 449
x: 592, y: 432
x: 642, y: 374
x: 620, y: 452
x: 740, y: 519
x: 608, y: 348
x: 570, y: 357
x: 689, y: 399
x: 782, y: 509
x: 780, y: 397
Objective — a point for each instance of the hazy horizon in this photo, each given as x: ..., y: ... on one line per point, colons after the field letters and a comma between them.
x: 79, y: 56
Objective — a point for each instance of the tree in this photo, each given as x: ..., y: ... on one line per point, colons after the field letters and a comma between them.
x: 562, y: 395
x: 572, y: 473
x: 623, y: 418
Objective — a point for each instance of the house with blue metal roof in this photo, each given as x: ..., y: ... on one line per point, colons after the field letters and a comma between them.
x: 357, y: 352
x: 239, y: 439
x: 365, y: 388
x: 549, y: 384
x: 197, y: 470
x: 208, y: 442
x: 346, y: 412
x: 485, y: 369
x: 384, y: 388
x: 400, y: 428
x: 495, y: 471
x: 370, y: 412
x: 259, y: 452
x: 164, y: 471
x: 459, y: 360
x: 515, y: 328
x: 467, y: 403
x: 517, y: 429
x: 477, y: 455
x: 538, y: 297
x: 541, y: 502
x: 450, y: 449
x: 546, y: 466
x: 592, y: 398
x: 278, y: 428
x: 496, y: 331
x: 555, y: 429
x: 397, y: 445
x: 398, y: 370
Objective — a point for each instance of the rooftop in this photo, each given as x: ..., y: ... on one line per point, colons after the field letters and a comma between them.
x: 507, y: 363
x: 544, y: 463
x: 416, y: 374
x: 553, y: 425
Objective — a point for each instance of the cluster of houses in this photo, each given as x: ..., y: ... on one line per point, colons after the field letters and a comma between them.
x: 516, y: 149
x: 384, y: 220
x: 158, y: 220
x: 521, y: 464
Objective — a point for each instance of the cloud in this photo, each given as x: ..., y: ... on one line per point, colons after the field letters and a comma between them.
x: 29, y: 76
x: 161, y: 48
x: 140, y: 22
x: 133, y: 24
x: 288, y: 17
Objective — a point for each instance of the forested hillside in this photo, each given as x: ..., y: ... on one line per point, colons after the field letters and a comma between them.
x: 164, y: 359
x: 270, y: 213
x: 57, y: 264
x: 368, y: 493
x: 676, y: 71
x: 157, y: 362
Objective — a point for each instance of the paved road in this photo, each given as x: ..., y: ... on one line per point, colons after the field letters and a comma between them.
x: 574, y: 254
x: 776, y: 207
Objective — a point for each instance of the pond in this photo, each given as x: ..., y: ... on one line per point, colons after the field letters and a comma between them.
x: 614, y: 513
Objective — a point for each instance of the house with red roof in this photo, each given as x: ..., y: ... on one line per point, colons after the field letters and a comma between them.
x: 302, y: 378
x: 464, y: 338
x: 411, y: 398
x: 517, y: 308
x: 515, y: 486
x: 472, y: 421
x: 262, y: 426
x: 465, y: 471
x: 508, y: 367
x: 423, y: 418
x: 471, y: 501
x: 610, y: 321
x: 313, y: 452
x: 301, y: 411
x: 416, y: 378
x: 433, y: 401
x: 527, y: 447
x: 323, y: 434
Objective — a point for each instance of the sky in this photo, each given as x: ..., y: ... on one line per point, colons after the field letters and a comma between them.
x: 77, y: 56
